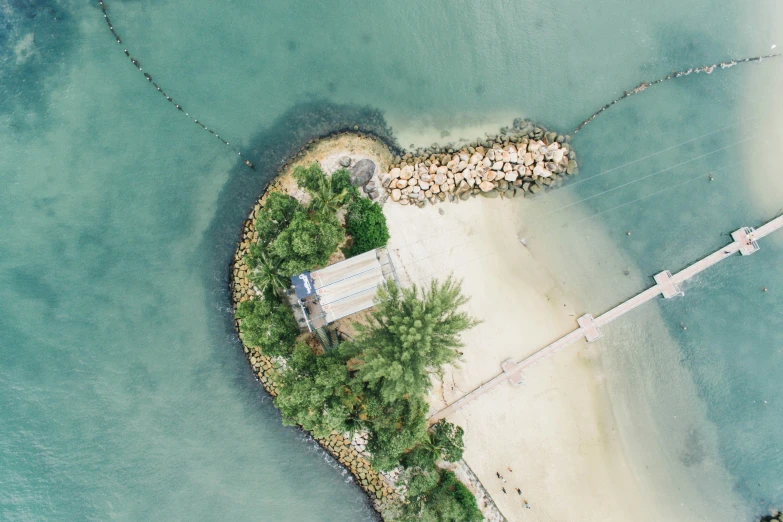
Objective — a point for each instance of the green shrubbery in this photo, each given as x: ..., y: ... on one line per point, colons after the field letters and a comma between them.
x: 366, y: 224
x: 268, y: 324
x: 379, y: 381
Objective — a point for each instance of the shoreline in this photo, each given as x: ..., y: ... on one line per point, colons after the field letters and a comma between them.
x: 328, y: 150
x: 347, y: 453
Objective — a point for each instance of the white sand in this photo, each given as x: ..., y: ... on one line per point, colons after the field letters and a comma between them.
x: 558, y: 432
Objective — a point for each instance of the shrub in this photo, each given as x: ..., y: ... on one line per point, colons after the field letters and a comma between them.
x: 307, y: 242
x: 438, y: 496
x: 269, y: 325
x: 366, y: 224
x: 276, y: 214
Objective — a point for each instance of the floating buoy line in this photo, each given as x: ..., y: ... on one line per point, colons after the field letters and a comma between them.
x: 676, y: 74
x: 148, y: 77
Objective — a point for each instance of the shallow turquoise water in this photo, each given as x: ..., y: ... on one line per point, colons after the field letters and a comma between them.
x: 124, y: 393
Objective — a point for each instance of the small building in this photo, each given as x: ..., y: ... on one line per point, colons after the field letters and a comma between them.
x: 323, y: 296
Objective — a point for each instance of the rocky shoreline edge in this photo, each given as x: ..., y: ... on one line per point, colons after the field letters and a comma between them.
x: 351, y: 454
x: 348, y: 453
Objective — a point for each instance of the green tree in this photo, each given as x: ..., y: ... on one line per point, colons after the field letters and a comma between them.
x: 276, y: 214
x: 444, y: 442
x: 410, y: 335
x: 314, y: 392
x: 329, y: 194
x: 438, y: 496
x: 269, y: 325
x: 366, y: 224
x: 266, y: 273
x: 394, y: 428
x: 306, y: 242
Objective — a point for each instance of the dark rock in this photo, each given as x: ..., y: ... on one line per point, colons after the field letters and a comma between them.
x: 362, y: 172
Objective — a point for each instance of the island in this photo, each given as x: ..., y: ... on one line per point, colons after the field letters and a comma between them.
x: 348, y: 334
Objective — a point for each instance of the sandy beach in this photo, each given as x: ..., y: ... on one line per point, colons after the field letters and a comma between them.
x: 557, y: 433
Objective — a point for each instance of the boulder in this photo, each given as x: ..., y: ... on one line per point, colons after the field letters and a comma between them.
x: 345, y: 161
x: 486, y: 186
x: 362, y: 172
x: 490, y: 194
x: 440, y: 179
x: 395, y: 173
x: 406, y: 172
x: 396, y: 194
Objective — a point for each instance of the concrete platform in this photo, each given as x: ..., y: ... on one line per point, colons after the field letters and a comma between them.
x: 667, y: 286
x: 591, y: 331
x: 512, y: 372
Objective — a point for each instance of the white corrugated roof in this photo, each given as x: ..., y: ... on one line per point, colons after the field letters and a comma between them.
x: 349, y: 286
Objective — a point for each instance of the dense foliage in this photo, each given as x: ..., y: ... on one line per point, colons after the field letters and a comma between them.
x: 436, y: 495
x: 328, y: 193
x: 378, y: 382
x: 411, y: 334
x: 307, y: 242
x: 366, y: 224
x: 268, y: 324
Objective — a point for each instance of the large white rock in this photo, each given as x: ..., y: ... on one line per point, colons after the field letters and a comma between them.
x: 541, y: 171
x: 396, y: 194
x: 406, y: 172
x: 475, y: 158
x: 486, y: 186
x: 395, y: 173
x: 511, y: 176
x: 497, y: 165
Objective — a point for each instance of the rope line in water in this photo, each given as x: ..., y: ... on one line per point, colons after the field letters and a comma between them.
x: 699, y: 176
x: 676, y: 74
x: 650, y: 175
x: 148, y: 77
x: 671, y: 147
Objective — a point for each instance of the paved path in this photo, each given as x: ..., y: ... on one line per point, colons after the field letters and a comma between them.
x: 744, y: 242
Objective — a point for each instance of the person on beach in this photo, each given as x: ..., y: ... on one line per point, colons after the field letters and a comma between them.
x: 504, y: 489
x: 510, y: 470
x: 498, y: 474
x: 527, y: 506
x: 519, y: 492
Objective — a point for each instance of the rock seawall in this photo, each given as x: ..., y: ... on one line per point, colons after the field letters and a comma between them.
x: 349, y: 453
x: 523, y: 160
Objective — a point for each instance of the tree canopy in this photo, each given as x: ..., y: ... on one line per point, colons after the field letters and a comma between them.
x: 411, y: 334
x: 329, y: 193
x: 366, y: 224
x: 307, y: 242
x: 268, y: 324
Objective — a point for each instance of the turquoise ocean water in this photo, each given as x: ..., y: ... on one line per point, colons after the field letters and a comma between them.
x: 124, y: 393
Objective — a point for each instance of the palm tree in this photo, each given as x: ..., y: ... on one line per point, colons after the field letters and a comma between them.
x: 267, y: 274
x: 326, y: 198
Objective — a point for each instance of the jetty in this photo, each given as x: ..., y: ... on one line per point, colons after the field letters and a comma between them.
x: 745, y: 241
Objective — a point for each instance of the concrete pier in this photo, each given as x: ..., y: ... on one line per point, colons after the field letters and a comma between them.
x: 745, y: 241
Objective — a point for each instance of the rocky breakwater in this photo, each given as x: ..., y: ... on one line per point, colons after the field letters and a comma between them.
x: 349, y: 453
x: 524, y: 161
